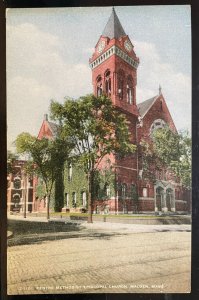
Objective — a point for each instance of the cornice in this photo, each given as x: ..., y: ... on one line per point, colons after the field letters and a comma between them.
x: 114, y: 50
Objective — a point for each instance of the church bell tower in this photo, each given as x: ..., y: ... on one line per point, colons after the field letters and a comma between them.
x: 114, y: 73
x: 114, y: 66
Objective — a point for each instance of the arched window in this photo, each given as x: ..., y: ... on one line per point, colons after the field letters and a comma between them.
x: 70, y: 172
x: 108, y: 83
x: 120, y: 84
x: 83, y: 198
x: 99, y: 86
x: 133, y: 192
x: 67, y: 199
x: 145, y: 192
x: 158, y: 123
x: 74, y: 201
x: 129, y: 90
x: 107, y: 190
x: 17, y: 183
x: 16, y: 201
x: 124, y: 190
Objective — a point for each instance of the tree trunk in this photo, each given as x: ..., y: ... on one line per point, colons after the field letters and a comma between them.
x: 89, y: 198
x: 48, y: 206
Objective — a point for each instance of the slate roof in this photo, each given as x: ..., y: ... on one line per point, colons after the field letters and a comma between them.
x: 54, y: 128
x: 143, y: 107
x: 113, y: 28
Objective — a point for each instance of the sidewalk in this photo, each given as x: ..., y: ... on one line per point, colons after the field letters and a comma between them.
x: 106, y: 226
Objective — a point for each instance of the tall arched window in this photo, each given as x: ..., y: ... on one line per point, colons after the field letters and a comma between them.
x: 83, y: 198
x: 120, y: 84
x: 107, y: 190
x: 99, y: 86
x: 74, y: 200
x: 129, y: 90
x: 108, y: 83
x: 67, y: 199
x: 124, y: 190
x: 70, y: 172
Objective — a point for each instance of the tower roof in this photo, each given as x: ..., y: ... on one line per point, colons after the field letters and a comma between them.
x: 113, y: 28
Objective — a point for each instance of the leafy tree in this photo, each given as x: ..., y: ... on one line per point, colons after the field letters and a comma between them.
x: 11, y: 158
x: 96, y: 128
x: 150, y: 162
x: 168, y: 150
x: 174, y: 150
x: 103, y: 178
x: 46, y: 157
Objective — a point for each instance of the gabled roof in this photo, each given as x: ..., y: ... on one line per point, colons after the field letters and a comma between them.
x: 48, y: 129
x: 113, y: 28
x: 143, y: 107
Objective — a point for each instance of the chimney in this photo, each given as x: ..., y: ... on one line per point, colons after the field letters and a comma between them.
x: 46, y: 117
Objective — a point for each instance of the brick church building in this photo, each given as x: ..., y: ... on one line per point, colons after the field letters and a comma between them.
x: 114, y: 66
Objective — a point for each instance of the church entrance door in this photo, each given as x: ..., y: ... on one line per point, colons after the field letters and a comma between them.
x: 159, y: 198
x: 168, y: 201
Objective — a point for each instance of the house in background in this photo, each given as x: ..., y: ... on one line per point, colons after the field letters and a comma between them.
x: 19, y: 189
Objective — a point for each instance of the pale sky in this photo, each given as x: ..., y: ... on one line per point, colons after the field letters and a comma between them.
x: 48, y: 52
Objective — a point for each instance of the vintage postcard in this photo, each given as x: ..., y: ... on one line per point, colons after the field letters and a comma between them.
x: 99, y: 150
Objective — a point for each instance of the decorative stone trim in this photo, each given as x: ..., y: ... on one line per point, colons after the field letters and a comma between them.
x: 181, y: 201
x: 114, y: 50
x: 146, y: 198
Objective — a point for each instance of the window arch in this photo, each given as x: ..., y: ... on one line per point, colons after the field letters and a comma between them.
x: 158, y: 123
x: 129, y: 90
x: 108, y: 83
x: 120, y: 84
x: 99, y: 86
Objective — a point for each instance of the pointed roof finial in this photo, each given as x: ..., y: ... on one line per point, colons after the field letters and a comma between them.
x: 113, y: 28
x: 160, y: 89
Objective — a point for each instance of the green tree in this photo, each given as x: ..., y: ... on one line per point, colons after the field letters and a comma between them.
x: 168, y: 150
x: 46, y: 157
x: 96, y: 128
x: 104, y: 178
x: 174, y: 151
x: 11, y: 158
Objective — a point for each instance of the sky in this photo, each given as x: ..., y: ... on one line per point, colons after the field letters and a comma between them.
x: 48, y: 51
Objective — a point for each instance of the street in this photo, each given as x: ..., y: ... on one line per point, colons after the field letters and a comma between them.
x: 104, y: 258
